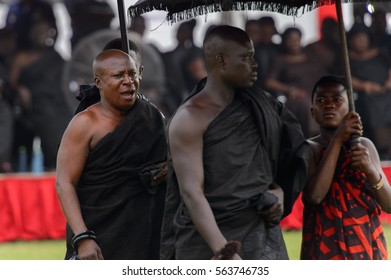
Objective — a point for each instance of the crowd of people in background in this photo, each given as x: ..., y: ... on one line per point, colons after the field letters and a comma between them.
x: 32, y: 101
x: 253, y: 118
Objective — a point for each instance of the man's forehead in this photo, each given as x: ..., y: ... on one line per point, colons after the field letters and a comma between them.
x: 331, y: 87
x: 245, y: 46
x: 334, y: 85
x: 331, y: 91
x: 116, y: 64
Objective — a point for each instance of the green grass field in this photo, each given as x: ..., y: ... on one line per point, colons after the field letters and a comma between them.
x: 55, y: 249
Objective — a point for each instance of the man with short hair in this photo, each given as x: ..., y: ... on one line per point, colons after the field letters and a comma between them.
x: 347, y: 188
x: 110, y: 168
x: 231, y: 147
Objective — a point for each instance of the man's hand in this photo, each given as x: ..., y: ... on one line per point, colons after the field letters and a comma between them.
x: 360, y: 157
x: 229, y: 251
x: 162, y: 175
x: 274, y: 213
x: 89, y: 250
x: 350, y: 125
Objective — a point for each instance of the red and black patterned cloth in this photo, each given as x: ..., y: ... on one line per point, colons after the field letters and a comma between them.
x: 346, y: 224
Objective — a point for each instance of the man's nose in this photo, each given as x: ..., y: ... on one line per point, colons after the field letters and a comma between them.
x: 329, y: 103
x: 254, y: 63
x: 129, y: 78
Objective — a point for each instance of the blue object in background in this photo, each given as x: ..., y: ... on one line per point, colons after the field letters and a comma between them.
x: 37, y: 158
x: 22, y: 159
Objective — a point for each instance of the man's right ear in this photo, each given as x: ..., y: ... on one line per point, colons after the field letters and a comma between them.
x: 97, y: 82
x: 220, y: 59
x: 140, y: 72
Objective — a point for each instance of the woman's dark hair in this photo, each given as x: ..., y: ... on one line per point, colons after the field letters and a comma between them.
x: 284, y: 36
x: 289, y: 31
x: 359, y: 28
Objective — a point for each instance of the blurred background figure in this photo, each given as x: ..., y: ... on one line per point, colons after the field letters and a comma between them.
x: 193, y: 69
x: 381, y: 38
x: 138, y: 25
x: 263, y: 32
x: 292, y: 76
x: 35, y: 76
x: 253, y: 29
x: 328, y: 48
x: 88, y: 16
x: 21, y: 16
x: 153, y: 84
x: 7, y: 51
x: 371, y: 80
x: 177, y: 90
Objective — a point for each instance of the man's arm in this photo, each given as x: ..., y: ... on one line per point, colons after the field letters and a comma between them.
x: 322, y: 175
x: 366, y: 157
x: 72, y: 155
x: 186, y: 145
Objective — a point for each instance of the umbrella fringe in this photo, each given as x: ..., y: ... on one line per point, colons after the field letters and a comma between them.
x: 287, y: 7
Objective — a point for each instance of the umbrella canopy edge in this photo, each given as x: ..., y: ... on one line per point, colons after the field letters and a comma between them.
x: 178, y: 11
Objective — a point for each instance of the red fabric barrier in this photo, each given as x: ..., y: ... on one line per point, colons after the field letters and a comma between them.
x: 294, y: 220
x: 29, y: 208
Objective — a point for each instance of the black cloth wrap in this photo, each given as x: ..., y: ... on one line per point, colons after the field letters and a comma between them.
x: 253, y: 142
x: 115, y: 204
x: 87, y: 95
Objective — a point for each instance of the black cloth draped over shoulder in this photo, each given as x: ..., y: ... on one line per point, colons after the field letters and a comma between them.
x: 252, y: 143
x: 87, y: 95
x: 283, y: 138
x: 125, y: 216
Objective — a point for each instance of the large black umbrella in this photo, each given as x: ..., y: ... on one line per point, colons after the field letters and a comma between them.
x: 186, y: 9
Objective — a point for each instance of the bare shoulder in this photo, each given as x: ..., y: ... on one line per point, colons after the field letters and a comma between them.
x: 187, y: 122
x: 373, y: 153
x: 193, y: 117
x: 315, y: 144
x: 315, y: 148
x: 86, y: 128
x: 367, y: 142
x: 83, y: 120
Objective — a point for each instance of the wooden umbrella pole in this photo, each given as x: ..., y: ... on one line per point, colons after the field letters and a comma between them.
x: 345, y: 54
x: 123, y: 25
x: 354, y: 139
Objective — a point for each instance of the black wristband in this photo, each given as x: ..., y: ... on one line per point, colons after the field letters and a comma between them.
x: 88, y: 234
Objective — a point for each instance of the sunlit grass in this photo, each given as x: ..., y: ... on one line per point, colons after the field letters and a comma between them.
x: 55, y: 249
x: 33, y: 250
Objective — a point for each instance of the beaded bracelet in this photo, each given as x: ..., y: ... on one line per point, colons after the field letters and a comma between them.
x: 378, y: 185
x: 88, y: 234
